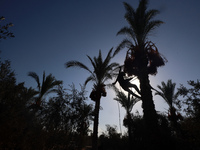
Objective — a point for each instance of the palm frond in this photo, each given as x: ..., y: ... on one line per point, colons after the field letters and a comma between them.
x: 150, y: 14
x: 107, y: 76
x: 108, y: 57
x: 51, y: 91
x: 76, y: 64
x: 110, y: 71
x: 46, y: 84
x: 130, y: 13
x: 43, y: 79
x: 112, y: 67
x: 99, y: 58
x: 36, y: 77
x: 30, y: 94
x: 152, y: 25
x: 90, y: 78
x: 92, y: 62
x: 49, y: 83
x: 129, y: 8
x: 142, y: 8
x: 167, y: 92
x: 125, y: 101
x: 125, y: 43
x: 125, y: 31
x: 160, y: 94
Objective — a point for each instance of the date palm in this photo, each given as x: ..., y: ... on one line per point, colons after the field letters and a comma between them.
x: 142, y: 56
x: 127, y: 103
x: 167, y: 92
x: 48, y: 86
x: 101, y: 71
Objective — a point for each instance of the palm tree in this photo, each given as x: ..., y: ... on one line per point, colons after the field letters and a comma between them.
x: 142, y: 56
x: 48, y: 86
x: 102, y: 70
x: 167, y: 92
x: 128, y: 104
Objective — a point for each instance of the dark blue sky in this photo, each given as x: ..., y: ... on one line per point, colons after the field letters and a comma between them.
x: 50, y: 33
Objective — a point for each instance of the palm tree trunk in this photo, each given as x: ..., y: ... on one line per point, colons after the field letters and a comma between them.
x: 96, y: 123
x: 150, y: 116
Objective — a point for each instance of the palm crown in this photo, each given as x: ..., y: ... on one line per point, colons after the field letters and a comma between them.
x: 125, y: 101
x: 141, y: 24
x: 102, y: 70
x: 48, y: 85
x: 167, y: 92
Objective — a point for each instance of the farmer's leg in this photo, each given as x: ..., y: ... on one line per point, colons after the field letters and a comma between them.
x: 135, y: 87
x: 131, y: 92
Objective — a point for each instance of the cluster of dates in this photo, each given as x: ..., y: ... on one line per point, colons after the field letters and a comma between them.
x: 134, y: 60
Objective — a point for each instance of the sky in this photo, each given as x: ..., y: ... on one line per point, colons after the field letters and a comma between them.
x: 49, y: 33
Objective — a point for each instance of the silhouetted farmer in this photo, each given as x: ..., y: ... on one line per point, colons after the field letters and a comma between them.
x: 125, y: 84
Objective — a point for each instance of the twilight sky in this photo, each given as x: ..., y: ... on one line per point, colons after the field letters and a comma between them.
x: 49, y: 33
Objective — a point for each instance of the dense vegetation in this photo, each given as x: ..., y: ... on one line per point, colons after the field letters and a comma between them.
x: 62, y: 120
x: 50, y: 117
x: 58, y: 122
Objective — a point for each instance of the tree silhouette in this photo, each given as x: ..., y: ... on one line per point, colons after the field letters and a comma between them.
x: 191, y: 97
x: 142, y: 56
x: 111, y: 139
x: 18, y: 127
x: 48, y: 86
x: 69, y: 113
x: 128, y: 104
x: 167, y: 92
x: 102, y: 71
x: 191, y: 106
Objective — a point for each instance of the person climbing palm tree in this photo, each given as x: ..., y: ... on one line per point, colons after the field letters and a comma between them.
x: 125, y: 84
x: 102, y: 71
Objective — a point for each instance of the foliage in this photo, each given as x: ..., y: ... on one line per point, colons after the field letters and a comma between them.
x: 68, y: 114
x: 191, y: 105
x: 48, y: 86
x: 191, y: 98
x: 125, y: 101
x: 16, y: 122
x: 102, y: 69
x: 63, y: 118
x: 112, y: 140
x: 4, y: 32
x: 141, y: 24
x: 167, y: 92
